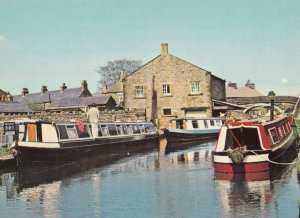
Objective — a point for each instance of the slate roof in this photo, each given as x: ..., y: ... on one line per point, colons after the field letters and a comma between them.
x: 115, y: 88
x: 232, y: 92
x: 50, y: 96
x: 79, y: 102
x: 13, y: 107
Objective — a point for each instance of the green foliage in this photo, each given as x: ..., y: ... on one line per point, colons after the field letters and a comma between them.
x: 35, y: 106
x: 271, y: 93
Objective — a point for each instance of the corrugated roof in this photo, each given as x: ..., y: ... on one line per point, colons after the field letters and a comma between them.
x: 241, y: 92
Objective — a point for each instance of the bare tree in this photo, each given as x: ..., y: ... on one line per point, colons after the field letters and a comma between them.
x: 110, y: 73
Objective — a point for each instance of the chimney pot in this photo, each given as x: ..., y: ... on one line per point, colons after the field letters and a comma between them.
x: 25, y: 91
x: 63, y: 87
x: 233, y: 85
x: 44, y: 89
x: 84, y: 85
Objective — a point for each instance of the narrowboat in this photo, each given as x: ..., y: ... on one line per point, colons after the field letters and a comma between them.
x: 42, y: 141
x: 189, y: 130
x: 255, y: 146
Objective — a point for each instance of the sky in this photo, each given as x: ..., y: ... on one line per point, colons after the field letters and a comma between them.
x: 47, y: 43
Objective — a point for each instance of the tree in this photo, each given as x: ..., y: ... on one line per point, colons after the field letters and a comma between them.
x: 271, y: 93
x: 110, y: 73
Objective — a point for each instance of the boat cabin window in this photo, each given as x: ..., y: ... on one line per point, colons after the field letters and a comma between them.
x: 205, y: 123
x: 273, y: 135
x: 195, y: 124
x: 104, y: 130
x: 287, y: 127
x: 212, y: 122
x: 72, y: 132
x: 21, y: 130
x: 280, y: 131
x: 284, y: 129
x: 142, y: 129
x: 136, y: 129
x: 245, y: 136
x: 112, y: 129
x: 119, y: 129
x: 62, y: 132
x: 129, y: 129
x: 218, y: 123
x: 148, y: 128
x: 82, y: 133
x: 179, y: 124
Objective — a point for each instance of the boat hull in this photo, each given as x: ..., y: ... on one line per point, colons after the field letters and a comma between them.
x: 71, y: 151
x: 189, y: 136
x: 256, y: 162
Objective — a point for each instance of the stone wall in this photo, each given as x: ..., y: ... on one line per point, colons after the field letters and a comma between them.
x: 105, y: 116
x: 167, y: 69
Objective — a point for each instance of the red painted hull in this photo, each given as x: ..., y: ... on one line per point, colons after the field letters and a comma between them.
x: 242, y: 168
x: 258, y: 176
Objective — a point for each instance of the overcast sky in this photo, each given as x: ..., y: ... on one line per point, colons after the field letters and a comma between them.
x: 59, y: 41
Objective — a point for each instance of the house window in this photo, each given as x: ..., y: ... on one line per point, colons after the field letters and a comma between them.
x: 167, y: 111
x: 121, y: 97
x: 195, y: 87
x: 139, y: 91
x: 166, y: 90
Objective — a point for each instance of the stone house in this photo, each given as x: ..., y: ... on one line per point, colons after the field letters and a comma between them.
x: 115, y: 91
x: 168, y: 87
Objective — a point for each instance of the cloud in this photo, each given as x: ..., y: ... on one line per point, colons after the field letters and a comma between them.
x: 2, y: 39
x: 284, y: 81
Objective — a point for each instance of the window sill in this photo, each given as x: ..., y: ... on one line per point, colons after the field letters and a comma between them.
x: 140, y: 97
x: 196, y: 94
x: 166, y: 96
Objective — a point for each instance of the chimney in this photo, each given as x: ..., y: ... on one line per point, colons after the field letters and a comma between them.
x: 233, y: 85
x: 84, y: 85
x: 164, y: 49
x: 104, y: 87
x: 44, y: 89
x: 63, y: 87
x: 250, y: 84
x: 25, y: 91
x: 122, y: 75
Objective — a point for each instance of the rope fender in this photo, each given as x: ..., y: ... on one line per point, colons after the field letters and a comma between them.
x: 236, y: 155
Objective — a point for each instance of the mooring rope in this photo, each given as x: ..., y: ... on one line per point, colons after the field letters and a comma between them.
x: 274, y: 162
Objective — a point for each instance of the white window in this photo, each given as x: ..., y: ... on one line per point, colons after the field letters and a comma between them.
x: 166, y: 90
x: 139, y: 91
x: 195, y: 87
x: 121, y: 97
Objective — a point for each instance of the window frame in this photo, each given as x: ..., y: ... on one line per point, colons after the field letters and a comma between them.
x: 166, y: 89
x: 194, y: 88
x: 139, y: 91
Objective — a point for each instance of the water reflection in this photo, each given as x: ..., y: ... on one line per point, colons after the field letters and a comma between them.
x: 170, y: 173
x: 236, y: 197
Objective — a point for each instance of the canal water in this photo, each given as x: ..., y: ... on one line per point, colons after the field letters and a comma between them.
x: 156, y: 183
